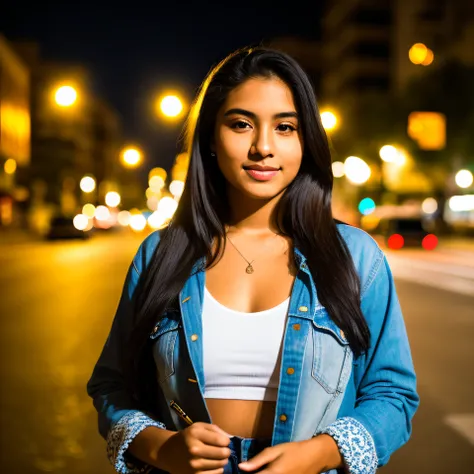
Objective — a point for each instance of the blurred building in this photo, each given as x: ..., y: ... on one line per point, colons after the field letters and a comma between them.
x: 14, y: 129
x: 71, y: 137
x: 373, y: 53
x: 308, y: 53
x: 367, y: 42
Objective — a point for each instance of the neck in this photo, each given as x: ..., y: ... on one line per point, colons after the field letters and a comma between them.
x: 253, y: 216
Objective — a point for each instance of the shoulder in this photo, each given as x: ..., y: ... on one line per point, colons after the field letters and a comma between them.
x: 365, y: 252
x: 146, y: 251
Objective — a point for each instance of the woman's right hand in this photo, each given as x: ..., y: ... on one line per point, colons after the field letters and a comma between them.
x: 200, y: 448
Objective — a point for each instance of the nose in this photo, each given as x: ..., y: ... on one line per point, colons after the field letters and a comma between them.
x: 263, y: 143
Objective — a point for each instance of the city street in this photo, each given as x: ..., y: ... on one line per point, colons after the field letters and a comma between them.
x: 57, y: 300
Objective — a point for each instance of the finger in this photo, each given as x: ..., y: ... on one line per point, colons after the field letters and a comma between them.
x: 204, y: 465
x: 204, y: 451
x: 214, y: 471
x: 212, y: 438
x: 267, y: 456
x: 218, y: 429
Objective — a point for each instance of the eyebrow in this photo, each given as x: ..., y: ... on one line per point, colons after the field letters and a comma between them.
x: 253, y: 116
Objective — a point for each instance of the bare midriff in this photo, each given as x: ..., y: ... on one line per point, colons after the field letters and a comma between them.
x: 244, y: 418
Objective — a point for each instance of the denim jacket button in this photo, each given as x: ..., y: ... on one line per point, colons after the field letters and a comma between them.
x: 283, y: 417
x: 290, y: 371
x: 303, y: 309
x: 296, y: 327
x: 194, y: 337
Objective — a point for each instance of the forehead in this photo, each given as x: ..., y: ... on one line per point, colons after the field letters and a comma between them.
x: 261, y: 96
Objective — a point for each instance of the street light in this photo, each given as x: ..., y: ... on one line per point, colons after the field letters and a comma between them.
x: 171, y: 106
x: 329, y: 120
x: 131, y: 157
x: 87, y: 184
x: 464, y: 178
x: 392, y: 154
x: 65, y: 96
x: 356, y: 170
x: 10, y: 166
x: 112, y: 199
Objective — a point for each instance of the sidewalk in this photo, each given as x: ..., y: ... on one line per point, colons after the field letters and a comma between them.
x: 17, y: 236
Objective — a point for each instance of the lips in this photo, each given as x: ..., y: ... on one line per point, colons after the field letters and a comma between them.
x: 261, y: 173
x: 261, y: 168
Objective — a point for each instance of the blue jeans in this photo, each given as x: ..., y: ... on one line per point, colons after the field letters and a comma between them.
x: 243, y: 449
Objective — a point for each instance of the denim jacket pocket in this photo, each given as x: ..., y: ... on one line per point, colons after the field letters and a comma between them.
x: 332, y: 359
x: 163, y: 337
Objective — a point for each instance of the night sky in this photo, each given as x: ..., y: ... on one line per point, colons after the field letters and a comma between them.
x: 136, y: 50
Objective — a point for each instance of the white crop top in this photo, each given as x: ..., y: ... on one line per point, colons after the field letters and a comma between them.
x: 242, y: 351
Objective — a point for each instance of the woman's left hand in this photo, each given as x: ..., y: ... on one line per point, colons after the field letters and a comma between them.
x: 313, y: 456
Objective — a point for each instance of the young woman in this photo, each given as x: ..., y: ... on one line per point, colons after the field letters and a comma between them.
x: 256, y: 333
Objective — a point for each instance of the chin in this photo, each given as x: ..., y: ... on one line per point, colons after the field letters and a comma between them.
x: 263, y: 192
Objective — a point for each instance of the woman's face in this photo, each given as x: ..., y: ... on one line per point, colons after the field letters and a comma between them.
x: 257, y: 140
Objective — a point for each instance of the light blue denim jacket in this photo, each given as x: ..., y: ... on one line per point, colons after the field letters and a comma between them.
x: 366, y: 403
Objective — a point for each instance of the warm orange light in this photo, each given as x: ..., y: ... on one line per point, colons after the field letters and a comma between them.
x: 429, y: 58
x: 418, y: 53
x: 428, y: 129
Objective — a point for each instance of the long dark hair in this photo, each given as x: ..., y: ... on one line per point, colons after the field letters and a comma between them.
x: 304, y: 211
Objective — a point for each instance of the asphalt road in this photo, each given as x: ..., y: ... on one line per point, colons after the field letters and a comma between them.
x: 57, y: 301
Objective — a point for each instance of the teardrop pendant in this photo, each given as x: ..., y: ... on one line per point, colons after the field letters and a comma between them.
x: 249, y: 269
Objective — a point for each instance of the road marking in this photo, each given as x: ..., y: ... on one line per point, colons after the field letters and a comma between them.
x: 463, y: 424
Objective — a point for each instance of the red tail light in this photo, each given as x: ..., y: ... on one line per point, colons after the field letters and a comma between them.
x: 396, y: 242
x: 430, y: 242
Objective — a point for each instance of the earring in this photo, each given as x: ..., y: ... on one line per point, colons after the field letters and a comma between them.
x: 213, y: 154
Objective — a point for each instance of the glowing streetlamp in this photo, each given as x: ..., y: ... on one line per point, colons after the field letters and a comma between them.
x: 171, y: 106
x: 87, y: 184
x: 356, y: 170
x: 391, y: 154
x: 10, y: 166
x: 131, y: 157
x: 112, y: 199
x: 329, y: 120
x: 338, y: 169
x: 464, y: 178
x: 65, y: 96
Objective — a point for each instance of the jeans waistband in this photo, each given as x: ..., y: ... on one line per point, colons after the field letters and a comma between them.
x: 243, y: 449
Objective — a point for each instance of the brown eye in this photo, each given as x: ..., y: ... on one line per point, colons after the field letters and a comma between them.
x: 240, y: 124
x: 286, y: 127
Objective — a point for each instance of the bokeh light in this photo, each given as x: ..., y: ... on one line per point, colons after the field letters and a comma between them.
x: 464, y: 178
x: 102, y: 213
x: 338, y: 169
x: 356, y: 170
x: 137, y: 222
x: 10, y: 166
x: 80, y: 222
x: 65, y: 96
x: 88, y: 210
x: 429, y: 205
x: 87, y: 184
x: 123, y: 218
x: 167, y: 206
x: 112, y: 199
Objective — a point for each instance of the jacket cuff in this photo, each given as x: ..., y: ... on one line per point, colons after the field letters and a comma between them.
x: 355, y: 445
x: 120, y: 437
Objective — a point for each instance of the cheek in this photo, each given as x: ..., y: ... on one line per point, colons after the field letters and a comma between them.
x: 232, y: 149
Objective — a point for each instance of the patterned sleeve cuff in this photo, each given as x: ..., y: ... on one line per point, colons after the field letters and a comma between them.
x: 120, y: 437
x: 355, y: 444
